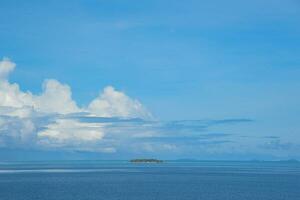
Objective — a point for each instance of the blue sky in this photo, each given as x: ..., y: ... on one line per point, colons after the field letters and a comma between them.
x: 182, y: 60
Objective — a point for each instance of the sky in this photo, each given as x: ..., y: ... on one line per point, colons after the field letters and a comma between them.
x: 120, y: 79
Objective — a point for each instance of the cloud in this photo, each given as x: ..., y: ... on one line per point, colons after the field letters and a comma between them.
x: 53, y: 119
x: 66, y: 131
x: 56, y: 97
x: 15, y: 132
x: 12, y: 97
x: 114, y: 123
x: 6, y: 67
x: 112, y: 103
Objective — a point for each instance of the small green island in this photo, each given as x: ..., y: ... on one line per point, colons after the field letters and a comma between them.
x: 143, y: 160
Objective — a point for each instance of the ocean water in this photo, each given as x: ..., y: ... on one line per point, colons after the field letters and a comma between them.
x: 120, y: 180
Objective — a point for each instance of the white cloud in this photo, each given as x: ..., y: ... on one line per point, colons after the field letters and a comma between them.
x: 66, y: 131
x: 56, y: 98
x: 42, y: 120
x: 10, y: 94
x: 52, y: 119
x: 22, y: 112
x: 113, y: 103
x: 6, y: 67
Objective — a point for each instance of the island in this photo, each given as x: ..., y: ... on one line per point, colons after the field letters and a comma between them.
x: 143, y: 160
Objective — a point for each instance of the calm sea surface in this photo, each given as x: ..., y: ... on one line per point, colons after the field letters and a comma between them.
x: 120, y: 180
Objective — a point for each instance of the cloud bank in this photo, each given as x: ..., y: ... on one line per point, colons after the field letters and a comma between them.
x: 114, y: 123
x: 42, y: 120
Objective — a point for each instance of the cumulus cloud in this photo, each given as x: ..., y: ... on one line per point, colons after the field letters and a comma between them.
x: 56, y: 97
x: 111, y: 123
x: 6, y: 67
x: 46, y: 119
x: 11, y: 96
x: 112, y: 103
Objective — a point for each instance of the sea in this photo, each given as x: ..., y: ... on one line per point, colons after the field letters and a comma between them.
x: 170, y: 180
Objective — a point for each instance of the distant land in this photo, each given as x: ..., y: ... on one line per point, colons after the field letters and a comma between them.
x: 143, y: 160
